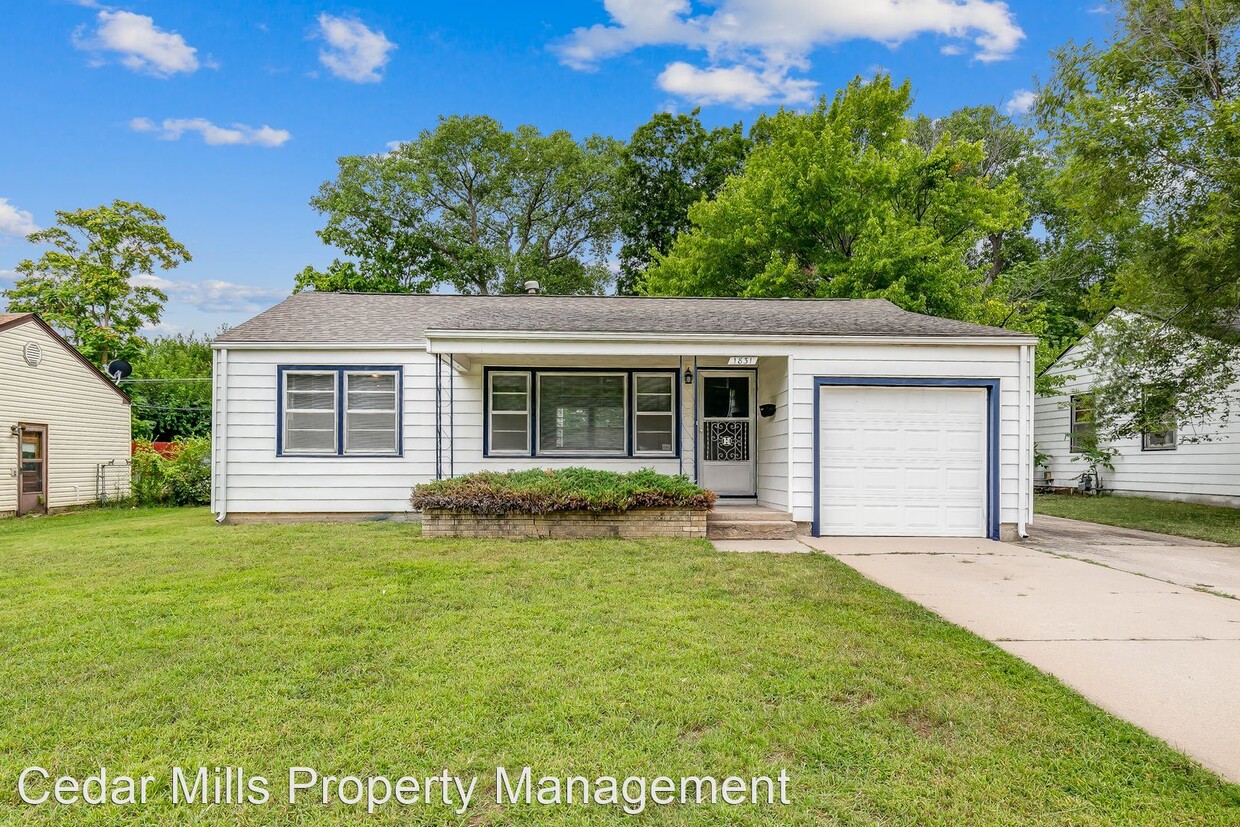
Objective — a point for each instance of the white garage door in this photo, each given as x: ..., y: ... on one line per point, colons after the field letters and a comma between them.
x: 902, y: 461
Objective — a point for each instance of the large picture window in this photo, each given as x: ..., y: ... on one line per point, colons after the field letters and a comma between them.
x: 339, y: 411
x: 582, y: 413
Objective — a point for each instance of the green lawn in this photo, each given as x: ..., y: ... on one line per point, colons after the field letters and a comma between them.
x: 146, y: 639
x: 1204, y: 522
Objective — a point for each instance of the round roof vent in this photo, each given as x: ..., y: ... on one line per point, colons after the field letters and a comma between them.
x: 33, y: 354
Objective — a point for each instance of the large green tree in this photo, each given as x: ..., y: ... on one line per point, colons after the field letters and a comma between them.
x: 669, y: 164
x: 474, y: 207
x: 171, y: 388
x: 842, y: 202
x: 88, y: 285
x: 1148, y: 129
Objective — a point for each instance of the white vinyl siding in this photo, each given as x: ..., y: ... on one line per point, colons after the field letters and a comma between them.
x: 310, y: 412
x: 255, y: 480
x: 88, y: 423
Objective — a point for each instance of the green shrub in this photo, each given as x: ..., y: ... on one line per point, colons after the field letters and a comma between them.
x: 542, y: 491
x: 184, y: 478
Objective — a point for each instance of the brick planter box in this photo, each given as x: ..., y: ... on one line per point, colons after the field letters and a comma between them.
x: 566, y: 525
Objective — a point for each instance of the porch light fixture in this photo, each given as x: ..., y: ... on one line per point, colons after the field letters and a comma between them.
x: 688, y: 376
x: 767, y: 410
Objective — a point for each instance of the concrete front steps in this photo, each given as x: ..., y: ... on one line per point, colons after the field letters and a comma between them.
x: 749, y: 522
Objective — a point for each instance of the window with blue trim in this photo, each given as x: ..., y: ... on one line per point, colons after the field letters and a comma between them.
x: 340, y: 411
x: 582, y: 413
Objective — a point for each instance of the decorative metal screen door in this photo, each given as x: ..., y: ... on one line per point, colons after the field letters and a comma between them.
x: 726, y: 432
x: 32, y: 478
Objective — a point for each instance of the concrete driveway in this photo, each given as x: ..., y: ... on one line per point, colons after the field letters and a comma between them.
x: 1144, y: 647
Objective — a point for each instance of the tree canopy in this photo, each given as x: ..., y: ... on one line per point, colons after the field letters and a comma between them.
x: 171, y: 388
x: 1147, y: 131
x: 471, y: 206
x: 669, y: 164
x: 841, y: 201
x: 87, y: 285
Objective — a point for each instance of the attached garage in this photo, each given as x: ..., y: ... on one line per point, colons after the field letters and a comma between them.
x: 906, y: 457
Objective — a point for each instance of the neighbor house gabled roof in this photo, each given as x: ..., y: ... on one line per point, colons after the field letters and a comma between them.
x: 8, y: 321
x: 371, y: 318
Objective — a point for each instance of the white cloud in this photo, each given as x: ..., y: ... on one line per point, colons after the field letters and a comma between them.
x: 739, y: 85
x: 238, y: 134
x: 752, y: 44
x: 1021, y: 102
x: 214, y: 295
x: 141, y: 45
x: 353, y: 51
x: 952, y: 49
x: 8, y: 276
x: 14, y: 221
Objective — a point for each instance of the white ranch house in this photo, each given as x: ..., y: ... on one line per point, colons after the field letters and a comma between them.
x: 852, y: 417
x: 1162, y: 465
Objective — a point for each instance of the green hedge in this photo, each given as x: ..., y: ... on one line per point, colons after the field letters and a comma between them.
x: 570, y: 489
x: 184, y: 478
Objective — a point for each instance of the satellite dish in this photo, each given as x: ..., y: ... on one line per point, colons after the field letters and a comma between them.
x: 118, y: 369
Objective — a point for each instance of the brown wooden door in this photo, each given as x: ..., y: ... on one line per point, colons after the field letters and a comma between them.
x: 32, y: 480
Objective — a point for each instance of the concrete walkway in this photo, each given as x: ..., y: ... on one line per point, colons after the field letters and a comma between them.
x: 1197, y: 564
x: 1163, y: 656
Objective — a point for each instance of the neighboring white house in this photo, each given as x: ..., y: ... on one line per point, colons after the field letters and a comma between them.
x: 1160, y: 465
x: 854, y: 417
x: 66, y: 424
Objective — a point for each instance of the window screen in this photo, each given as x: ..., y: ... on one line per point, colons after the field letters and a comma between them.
x: 370, y: 413
x: 654, y: 419
x: 510, y: 413
x: 310, y: 413
x: 582, y: 412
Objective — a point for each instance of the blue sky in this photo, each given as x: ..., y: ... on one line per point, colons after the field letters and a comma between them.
x: 226, y: 116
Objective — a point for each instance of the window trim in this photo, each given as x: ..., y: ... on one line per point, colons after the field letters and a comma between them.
x: 339, y: 371
x: 488, y: 387
x: 1073, y: 446
x: 533, y: 413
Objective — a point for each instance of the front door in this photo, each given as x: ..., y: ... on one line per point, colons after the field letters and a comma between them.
x: 32, y: 480
x: 726, y: 432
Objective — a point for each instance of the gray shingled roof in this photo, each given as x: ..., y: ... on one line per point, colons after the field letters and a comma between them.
x: 377, y: 318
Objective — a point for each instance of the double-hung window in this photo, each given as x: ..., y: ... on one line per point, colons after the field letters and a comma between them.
x: 654, y: 414
x: 612, y: 413
x: 340, y: 411
x: 1160, y: 398
x: 1083, y: 433
x: 510, y: 412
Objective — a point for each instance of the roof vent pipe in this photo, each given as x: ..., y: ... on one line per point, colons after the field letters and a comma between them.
x: 532, y: 287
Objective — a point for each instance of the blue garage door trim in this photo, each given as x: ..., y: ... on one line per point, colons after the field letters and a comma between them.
x: 992, y: 436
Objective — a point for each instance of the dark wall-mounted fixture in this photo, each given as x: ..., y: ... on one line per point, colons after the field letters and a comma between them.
x: 688, y: 376
x: 767, y: 410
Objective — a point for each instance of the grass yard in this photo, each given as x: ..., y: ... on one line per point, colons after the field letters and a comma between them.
x: 1216, y: 523
x: 140, y: 640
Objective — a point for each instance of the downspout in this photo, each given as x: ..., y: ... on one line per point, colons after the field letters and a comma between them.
x: 451, y: 415
x: 1022, y: 483
x: 220, y: 444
